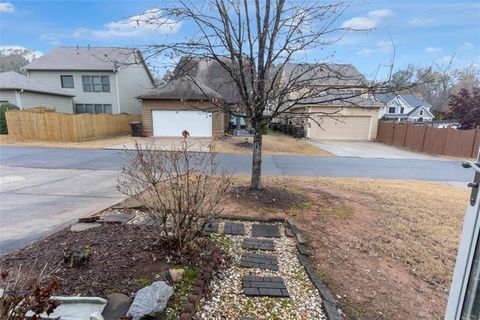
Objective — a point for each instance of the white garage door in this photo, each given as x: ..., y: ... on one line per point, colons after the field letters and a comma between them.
x: 172, y: 123
x: 342, y: 128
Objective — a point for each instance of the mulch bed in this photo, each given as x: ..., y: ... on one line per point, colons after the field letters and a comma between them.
x: 124, y: 258
x: 275, y: 198
x: 244, y: 145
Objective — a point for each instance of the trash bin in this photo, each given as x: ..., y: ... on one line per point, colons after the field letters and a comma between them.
x: 137, y: 128
x: 298, y: 132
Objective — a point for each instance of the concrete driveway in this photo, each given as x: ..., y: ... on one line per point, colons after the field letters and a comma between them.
x: 36, y: 202
x: 167, y: 143
x: 370, y: 149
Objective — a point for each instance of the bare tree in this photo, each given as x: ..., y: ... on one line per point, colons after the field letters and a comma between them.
x: 181, y: 189
x: 254, y: 42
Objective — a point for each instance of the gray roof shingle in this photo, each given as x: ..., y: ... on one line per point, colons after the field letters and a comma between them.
x: 184, y: 87
x: 324, y: 74
x: 15, y: 81
x: 341, y: 101
x: 90, y: 58
x: 410, y: 99
x: 212, y: 74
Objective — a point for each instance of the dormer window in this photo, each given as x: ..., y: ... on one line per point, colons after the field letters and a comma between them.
x: 391, y: 110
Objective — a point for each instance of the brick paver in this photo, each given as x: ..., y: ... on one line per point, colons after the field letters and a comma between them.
x: 256, y: 260
x: 257, y: 286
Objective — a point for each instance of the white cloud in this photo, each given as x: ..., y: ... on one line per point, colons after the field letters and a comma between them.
x: 382, y: 13
x: 365, y: 52
x: 370, y: 21
x: 432, y: 50
x: 53, y: 40
x: 6, y: 7
x: 467, y: 46
x: 421, y: 22
x: 27, y: 53
x: 144, y: 24
x: 384, y: 46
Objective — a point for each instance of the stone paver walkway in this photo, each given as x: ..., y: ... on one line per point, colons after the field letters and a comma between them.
x: 264, y: 286
x: 256, y: 260
x: 257, y: 244
x: 265, y: 230
x: 237, y: 229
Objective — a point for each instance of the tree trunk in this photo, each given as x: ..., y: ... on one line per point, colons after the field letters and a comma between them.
x: 256, y: 182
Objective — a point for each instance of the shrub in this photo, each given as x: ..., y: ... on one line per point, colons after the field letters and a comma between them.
x: 3, y: 120
x: 27, y: 292
x: 265, y: 128
x: 182, y: 189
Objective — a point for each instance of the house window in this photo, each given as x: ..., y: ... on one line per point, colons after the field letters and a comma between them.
x: 402, y: 110
x: 96, y: 83
x: 67, y: 81
x: 421, y: 112
x: 391, y: 110
x: 93, y: 108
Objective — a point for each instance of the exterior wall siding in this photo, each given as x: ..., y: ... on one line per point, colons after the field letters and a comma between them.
x: 30, y: 99
x: 353, y: 112
x: 133, y: 81
x: 218, y: 118
x: 9, y: 96
x: 52, y: 78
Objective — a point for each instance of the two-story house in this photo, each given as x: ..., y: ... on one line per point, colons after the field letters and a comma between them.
x: 403, y: 107
x: 335, y: 98
x: 103, y: 80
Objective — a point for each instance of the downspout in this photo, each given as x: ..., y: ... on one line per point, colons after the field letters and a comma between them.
x: 118, y: 93
x: 18, y: 98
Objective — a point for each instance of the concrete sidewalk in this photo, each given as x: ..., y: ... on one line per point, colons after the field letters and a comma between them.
x: 370, y: 149
x: 166, y: 143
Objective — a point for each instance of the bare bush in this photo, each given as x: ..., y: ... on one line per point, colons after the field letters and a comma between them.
x: 181, y: 189
x: 26, y: 291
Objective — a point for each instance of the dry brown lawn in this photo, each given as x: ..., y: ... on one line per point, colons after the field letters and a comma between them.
x: 273, y: 143
x: 386, y: 248
x: 5, y: 140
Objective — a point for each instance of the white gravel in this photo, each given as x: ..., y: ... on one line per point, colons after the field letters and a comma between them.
x: 227, y: 300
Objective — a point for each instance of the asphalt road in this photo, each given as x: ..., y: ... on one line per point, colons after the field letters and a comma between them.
x: 44, y: 189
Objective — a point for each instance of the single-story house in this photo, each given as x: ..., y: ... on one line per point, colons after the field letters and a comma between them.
x: 23, y: 92
x: 403, y: 107
x: 182, y: 104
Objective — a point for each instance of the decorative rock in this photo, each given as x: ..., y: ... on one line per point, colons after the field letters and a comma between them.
x: 176, y: 274
x: 88, y: 219
x: 302, y: 248
x: 289, y: 232
x: 211, y: 227
x: 82, y: 226
x: 300, y: 238
x: 117, y: 306
x: 75, y: 308
x: 115, y: 218
x: 186, y: 316
x: 265, y: 230
x: 150, y: 300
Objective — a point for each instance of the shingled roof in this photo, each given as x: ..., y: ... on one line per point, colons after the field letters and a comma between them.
x: 212, y: 74
x: 324, y: 74
x: 14, y: 81
x: 89, y: 58
x: 183, y: 88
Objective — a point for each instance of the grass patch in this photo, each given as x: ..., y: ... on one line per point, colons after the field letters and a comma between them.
x: 343, y: 211
x: 273, y: 143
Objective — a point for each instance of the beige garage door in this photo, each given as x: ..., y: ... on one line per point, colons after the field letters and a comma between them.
x: 342, y: 128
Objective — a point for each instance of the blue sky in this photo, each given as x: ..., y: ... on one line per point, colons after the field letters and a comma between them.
x: 423, y: 31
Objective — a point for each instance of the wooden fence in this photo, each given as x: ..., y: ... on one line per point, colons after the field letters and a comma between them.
x: 424, y: 138
x: 64, y: 127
